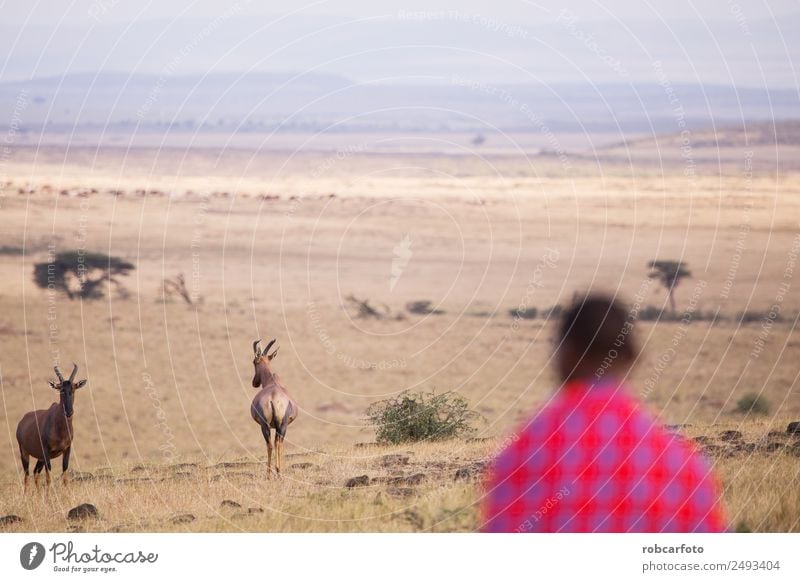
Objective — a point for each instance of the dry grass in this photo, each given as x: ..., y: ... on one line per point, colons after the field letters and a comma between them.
x: 169, y: 382
x: 311, y: 496
x: 420, y: 492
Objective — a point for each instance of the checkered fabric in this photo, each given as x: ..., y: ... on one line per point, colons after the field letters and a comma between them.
x: 593, y: 460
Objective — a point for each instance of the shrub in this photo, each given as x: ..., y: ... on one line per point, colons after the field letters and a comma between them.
x: 422, y: 308
x: 555, y: 312
x: 752, y: 403
x: 649, y: 313
x: 746, y: 317
x: 524, y: 313
x: 11, y: 251
x: 653, y: 313
x: 418, y: 416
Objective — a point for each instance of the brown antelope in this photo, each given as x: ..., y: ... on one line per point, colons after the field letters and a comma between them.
x: 272, y: 407
x: 47, y: 434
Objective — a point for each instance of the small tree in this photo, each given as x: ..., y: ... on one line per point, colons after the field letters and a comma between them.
x: 669, y: 274
x: 81, y: 274
x: 177, y: 286
x: 415, y: 416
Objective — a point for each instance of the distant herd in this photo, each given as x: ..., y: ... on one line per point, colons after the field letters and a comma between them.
x: 47, y: 434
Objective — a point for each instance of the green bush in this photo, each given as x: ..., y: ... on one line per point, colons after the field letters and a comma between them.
x: 752, y: 403
x: 418, y: 416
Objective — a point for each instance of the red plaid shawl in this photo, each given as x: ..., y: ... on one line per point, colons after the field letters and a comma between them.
x: 594, y: 461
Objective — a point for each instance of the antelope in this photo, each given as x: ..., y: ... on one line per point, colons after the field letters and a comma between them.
x: 47, y: 434
x: 272, y: 407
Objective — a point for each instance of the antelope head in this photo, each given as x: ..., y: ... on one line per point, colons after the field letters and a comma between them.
x: 67, y: 388
x: 262, y: 359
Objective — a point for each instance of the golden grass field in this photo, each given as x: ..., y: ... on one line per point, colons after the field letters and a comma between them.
x: 271, y: 246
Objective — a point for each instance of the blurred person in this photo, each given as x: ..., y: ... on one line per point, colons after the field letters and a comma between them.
x: 593, y: 459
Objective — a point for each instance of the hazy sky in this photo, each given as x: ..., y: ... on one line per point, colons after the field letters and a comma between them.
x: 731, y: 42
x: 77, y: 12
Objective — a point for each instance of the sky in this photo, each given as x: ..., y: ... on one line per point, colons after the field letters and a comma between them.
x: 80, y: 12
x: 727, y: 42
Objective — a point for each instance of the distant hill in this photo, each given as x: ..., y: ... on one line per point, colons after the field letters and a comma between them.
x: 258, y: 102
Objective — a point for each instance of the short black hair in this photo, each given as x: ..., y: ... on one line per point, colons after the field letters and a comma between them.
x: 597, y: 327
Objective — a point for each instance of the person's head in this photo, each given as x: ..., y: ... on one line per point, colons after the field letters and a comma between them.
x: 595, y: 339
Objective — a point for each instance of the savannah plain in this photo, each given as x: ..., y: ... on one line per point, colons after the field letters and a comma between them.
x: 272, y: 244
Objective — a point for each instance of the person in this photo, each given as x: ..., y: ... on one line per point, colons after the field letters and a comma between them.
x: 593, y: 459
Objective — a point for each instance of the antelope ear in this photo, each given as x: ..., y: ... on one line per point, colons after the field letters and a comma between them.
x: 80, y: 384
x: 53, y: 385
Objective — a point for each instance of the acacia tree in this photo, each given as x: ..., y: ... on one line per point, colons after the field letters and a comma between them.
x: 81, y: 274
x: 669, y: 274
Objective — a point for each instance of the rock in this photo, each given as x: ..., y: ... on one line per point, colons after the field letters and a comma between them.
x: 366, y: 445
x: 463, y: 474
x: 470, y: 471
x: 415, y: 479
x: 702, y: 440
x: 182, y: 518
x: 793, y: 428
x: 360, y: 481
x: 745, y: 448
x: 712, y: 450
x: 776, y: 434
x: 10, y: 519
x: 730, y: 435
x: 83, y: 511
x: 302, y: 465
x: 229, y: 504
x: 394, y: 460
x: 255, y: 510
x: 771, y: 447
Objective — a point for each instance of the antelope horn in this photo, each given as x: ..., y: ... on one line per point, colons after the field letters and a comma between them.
x: 269, y: 345
x: 255, y: 347
x: 58, y: 374
x: 74, y: 371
